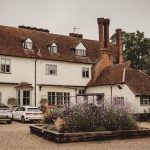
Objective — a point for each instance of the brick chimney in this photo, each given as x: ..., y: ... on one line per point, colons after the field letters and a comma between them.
x: 119, y: 45
x: 106, y: 33
x: 104, y: 52
x: 100, y: 22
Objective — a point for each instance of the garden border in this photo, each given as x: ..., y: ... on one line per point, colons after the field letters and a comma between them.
x: 87, y: 136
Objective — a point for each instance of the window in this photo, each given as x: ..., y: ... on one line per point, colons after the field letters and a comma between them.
x: 28, y: 44
x: 53, y: 48
x: 51, y: 69
x: 145, y: 100
x: 85, y: 72
x: 100, y: 99
x: 5, y: 65
x: 58, y: 98
x: 18, y: 97
x: 118, y: 100
x: 81, y: 91
x: 26, y: 97
x: 80, y: 52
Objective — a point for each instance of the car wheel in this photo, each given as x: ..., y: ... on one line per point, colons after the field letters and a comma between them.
x: 9, y: 122
x: 23, y: 119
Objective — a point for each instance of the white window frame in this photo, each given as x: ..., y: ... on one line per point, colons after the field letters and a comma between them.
x: 50, y: 69
x: 53, y: 48
x: 58, y: 98
x: 85, y: 72
x: 118, y: 100
x: 145, y: 100
x: 28, y: 44
x: 80, y: 52
x: 4, y: 63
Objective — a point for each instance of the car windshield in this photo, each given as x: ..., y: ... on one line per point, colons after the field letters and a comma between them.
x: 33, y: 109
x: 4, y: 108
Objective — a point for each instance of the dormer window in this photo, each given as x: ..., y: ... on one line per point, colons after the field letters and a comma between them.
x: 53, y: 48
x: 28, y: 44
x: 80, y: 50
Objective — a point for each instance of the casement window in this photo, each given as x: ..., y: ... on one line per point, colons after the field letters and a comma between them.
x: 81, y: 91
x: 26, y: 97
x: 28, y: 44
x: 145, y: 100
x: 100, y: 99
x: 58, y: 98
x: 50, y: 69
x: 85, y: 72
x: 80, y: 52
x: 23, y: 97
x: 53, y: 48
x: 118, y: 100
x: 5, y: 65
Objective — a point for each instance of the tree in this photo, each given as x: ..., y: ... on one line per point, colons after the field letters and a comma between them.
x: 136, y: 49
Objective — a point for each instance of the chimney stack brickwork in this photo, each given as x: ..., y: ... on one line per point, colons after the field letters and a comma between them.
x: 119, y: 45
x: 100, y: 22
x: 106, y: 33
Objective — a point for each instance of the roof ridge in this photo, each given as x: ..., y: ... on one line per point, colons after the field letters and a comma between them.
x: 143, y: 73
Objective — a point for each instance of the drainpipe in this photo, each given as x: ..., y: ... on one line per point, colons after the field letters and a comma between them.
x: 111, y: 93
x: 35, y: 81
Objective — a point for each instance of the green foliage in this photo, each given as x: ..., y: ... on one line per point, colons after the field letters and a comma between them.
x: 12, y: 101
x: 136, y: 49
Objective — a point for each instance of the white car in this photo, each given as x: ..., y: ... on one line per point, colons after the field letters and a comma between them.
x: 27, y: 113
x: 5, y: 114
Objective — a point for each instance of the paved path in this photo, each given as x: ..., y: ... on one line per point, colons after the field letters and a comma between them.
x: 16, y: 136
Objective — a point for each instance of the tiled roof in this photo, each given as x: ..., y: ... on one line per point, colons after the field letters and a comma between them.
x: 24, y: 85
x: 11, y: 44
x: 136, y: 80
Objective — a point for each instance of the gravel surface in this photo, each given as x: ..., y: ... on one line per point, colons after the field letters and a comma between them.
x: 16, y: 136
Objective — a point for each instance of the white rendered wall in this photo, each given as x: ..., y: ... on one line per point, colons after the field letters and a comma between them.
x: 67, y: 73
x: 125, y: 92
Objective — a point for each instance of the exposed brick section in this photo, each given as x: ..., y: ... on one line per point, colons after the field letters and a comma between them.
x: 106, y: 33
x: 76, y: 35
x: 100, y: 22
x: 119, y: 45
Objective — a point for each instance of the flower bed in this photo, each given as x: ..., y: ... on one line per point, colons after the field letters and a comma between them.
x: 87, y: 136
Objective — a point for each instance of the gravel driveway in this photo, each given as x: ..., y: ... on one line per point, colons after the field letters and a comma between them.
x: 16, y: 136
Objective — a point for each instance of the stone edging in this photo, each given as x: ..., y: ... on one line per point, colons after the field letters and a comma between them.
x: 87, y: 136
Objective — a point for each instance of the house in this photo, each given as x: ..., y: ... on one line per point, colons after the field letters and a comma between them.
x: 36, y: 64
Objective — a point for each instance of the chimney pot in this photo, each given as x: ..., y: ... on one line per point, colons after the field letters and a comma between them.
x: 119, y: 45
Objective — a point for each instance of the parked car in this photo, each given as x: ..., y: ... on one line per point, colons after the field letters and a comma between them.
x: 27, y: 113
x: 5, y: 114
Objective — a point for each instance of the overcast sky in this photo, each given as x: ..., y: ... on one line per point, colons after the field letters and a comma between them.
x: 60, y: 16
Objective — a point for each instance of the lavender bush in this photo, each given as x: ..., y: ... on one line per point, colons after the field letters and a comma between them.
x: 89, y: 117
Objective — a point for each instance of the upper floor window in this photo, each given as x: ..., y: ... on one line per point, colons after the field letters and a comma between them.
x: 28, y: 44
x: 53, y: 48
x: 5, y: 65
x: 85, y: 72
x: 80, y: 50
x: 51, y: 69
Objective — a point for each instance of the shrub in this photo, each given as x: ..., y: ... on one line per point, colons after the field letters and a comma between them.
x: 12, y: 101
x: 44, y: 101
x: 88, y: 117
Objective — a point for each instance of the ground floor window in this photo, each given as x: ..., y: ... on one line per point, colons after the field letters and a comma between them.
x: 58, y: 98
x: 23, y: 97
x: 145, y: 100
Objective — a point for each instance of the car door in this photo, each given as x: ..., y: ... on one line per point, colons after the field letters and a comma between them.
x: 16, y: 113
x: 21, y: 112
